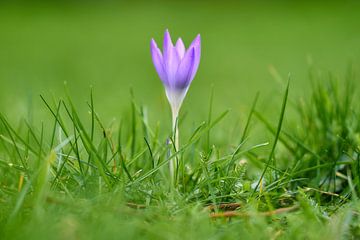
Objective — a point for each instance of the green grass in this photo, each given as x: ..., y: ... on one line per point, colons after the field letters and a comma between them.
x: 263, y: 154
x: 83, y: 179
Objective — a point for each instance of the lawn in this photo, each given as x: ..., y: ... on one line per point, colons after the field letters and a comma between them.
x: 269, y: 129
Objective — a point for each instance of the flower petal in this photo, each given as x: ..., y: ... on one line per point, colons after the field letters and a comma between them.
x: 197, y: 46
x: 167, y: 46
x: 170, y: 59
x: 180, y: 48
x: 196, y: 42
x: 157, y: 59
x: 185, y: 70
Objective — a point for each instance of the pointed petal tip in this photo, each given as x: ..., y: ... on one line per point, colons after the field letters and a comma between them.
x: 153, y: 44
x: 198, y: 37
x: 196, y: 42
x: 167, y: 33
x: 179, y: 43
x: 167, y: 44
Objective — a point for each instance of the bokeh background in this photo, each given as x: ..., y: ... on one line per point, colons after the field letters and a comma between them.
x: 246, y: 47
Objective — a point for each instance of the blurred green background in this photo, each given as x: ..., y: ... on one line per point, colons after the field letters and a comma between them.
x: 106, y: 45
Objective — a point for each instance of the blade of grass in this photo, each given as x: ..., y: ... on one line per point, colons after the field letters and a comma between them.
x: 282, y: 114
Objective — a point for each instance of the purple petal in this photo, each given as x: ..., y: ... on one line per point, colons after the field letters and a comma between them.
x: 196, y: 44
x: 170, y: 59
x: 158, y: 61
x: 171, y: 66
x: 185, y: 70
x: 196, y: 41
x: 167, y: 46
x: 180, y: 48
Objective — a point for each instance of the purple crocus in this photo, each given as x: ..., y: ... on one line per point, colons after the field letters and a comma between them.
x: 176, y: 68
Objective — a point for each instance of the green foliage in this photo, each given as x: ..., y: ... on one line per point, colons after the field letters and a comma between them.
x: 333, y: 157
x: 81, y: 178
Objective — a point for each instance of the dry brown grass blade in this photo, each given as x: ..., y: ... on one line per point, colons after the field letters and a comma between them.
x: 224, y: 206
x: 135, y: 206
x: 245, y: 214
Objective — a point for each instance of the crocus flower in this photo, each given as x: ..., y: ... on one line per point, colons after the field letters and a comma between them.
x: 176, y: 68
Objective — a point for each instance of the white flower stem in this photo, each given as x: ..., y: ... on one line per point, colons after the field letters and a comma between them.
x: 172, y: 163
x: 175, y: 97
